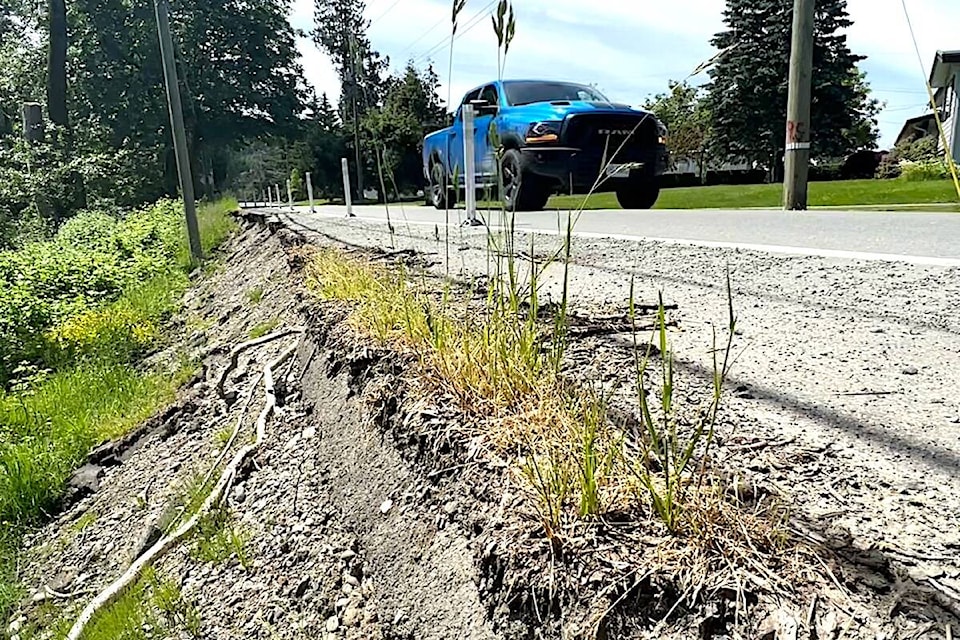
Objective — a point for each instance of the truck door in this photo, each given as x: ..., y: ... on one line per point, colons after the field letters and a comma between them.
x: 485, y: 160
x: 455, y: 162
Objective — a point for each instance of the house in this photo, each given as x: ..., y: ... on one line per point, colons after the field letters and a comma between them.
x: 945, y: 82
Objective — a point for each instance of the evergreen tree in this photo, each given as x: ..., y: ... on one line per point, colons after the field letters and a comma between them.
x: 340, y: 30
x: 747, y: 94
x: 411, y: 108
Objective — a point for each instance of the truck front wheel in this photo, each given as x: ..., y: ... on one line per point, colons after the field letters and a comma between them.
x: 522, y: 191
x: 638, y: 194
x: 438, y: 191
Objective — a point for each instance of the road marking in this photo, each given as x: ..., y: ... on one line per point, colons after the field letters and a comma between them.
x: 929, y: 261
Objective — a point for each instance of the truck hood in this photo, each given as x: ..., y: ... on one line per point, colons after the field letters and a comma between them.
x: 559, y: 110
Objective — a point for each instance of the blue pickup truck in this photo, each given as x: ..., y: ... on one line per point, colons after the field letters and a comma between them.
x: 536, y: 138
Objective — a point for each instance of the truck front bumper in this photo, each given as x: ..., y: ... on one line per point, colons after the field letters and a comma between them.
x: 577, y: 170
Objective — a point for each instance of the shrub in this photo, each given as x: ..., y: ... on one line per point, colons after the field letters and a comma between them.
x: 93, y: 258
x: 924, y: 170
x: 922, y: 150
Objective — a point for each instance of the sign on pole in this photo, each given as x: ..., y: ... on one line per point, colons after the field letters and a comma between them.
x: 346, y: 187
x: 310, y: 192
x: 470, y: 173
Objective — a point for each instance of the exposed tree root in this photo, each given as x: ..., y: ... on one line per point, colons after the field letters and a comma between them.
x: 113, y: 591
x: 243, y: 346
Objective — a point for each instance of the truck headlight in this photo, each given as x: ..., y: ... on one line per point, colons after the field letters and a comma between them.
x: 541, y: 132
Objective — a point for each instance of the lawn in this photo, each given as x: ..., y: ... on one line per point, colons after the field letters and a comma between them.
x: 822, y: 194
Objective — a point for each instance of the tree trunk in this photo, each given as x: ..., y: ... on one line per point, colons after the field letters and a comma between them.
x: 57, y: 64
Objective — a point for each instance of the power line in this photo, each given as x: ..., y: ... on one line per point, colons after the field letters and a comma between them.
x: 471, y: 23
x: 423, y: 35
x: 389, y: 9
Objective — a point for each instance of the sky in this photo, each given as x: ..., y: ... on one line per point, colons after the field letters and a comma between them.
x: 630, y: 49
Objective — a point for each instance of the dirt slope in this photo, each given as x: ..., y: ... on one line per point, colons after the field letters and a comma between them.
x: 367, y: 517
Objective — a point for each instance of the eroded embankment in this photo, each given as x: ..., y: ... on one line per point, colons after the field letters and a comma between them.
x: 374, y: 511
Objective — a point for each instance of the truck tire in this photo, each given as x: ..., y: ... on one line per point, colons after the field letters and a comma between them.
x: 438, y: 191
x: 639, y: 194
x: 522, y: 191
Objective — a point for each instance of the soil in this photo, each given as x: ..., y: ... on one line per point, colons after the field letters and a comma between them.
x: 368, y: 516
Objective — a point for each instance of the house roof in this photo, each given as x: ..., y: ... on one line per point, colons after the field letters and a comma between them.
x: 920, y: 122
x: 945, y: 64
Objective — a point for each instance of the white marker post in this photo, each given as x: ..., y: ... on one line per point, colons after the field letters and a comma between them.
x: 310, y: 192
x: 290, y: 195
x: 279, y: 197
x: 346, y: 187
x: 469, y: 161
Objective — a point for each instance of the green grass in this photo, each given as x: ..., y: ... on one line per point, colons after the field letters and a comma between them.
x: 821, y: 194
x: 217, y: 540
x: 264, y: 328
x: 255, y: 295
x: 215, y: 224
x: 94, y: 392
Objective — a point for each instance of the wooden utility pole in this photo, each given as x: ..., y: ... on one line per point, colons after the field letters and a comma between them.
x: 179, y: 132
x: 797, y: 156
x: 355, y: 88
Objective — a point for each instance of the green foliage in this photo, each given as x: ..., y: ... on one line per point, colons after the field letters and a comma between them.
x: 263, y: 328
x: 748, y: 90
x: 924, y: 150
x: 841, y: 193
x: 670, y: 446
x: 241, y: 81
x: 297, y: 185
x: 154, y: 607
x: 684, y: 112
x: 925, y: 171
x: 217, y: 539
x: 77, y: 311
x: 411, y: 108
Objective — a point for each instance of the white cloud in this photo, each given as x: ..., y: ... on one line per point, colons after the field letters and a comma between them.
x: 630, y: 48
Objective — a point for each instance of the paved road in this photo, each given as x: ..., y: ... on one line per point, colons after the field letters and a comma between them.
x: 916, y: 237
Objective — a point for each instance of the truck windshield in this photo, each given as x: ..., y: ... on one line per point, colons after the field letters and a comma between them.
x: 521, y: 92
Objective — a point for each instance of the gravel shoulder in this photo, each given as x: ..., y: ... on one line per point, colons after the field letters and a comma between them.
x: 848, y: 359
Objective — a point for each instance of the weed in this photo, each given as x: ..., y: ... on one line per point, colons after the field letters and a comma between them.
x: 263, y: 328
x: 217, y: 539
x: 223, y: 435
x: 255, y: 295
x: 153, y: 607
x: 84, y: 521
x: 168, y: 599
x: 668, y: 453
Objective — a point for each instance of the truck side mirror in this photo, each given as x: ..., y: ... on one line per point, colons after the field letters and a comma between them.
x: 484, y: 108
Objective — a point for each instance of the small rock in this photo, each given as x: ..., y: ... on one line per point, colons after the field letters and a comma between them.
x: 86, y: 479
x: 910, y: 371
x: 450, y: 508
x: 347, y: 588
x: 342, y: 602
x: 351, y: 580
x: 302, y: 588
x: 596, y: 577
x: 351, y: 617
x: 386, y: 506
x: 239, y: 493
x: 332, y: 624
x: 309, y: 432
x: 346, y: 555
x: 16, y: 625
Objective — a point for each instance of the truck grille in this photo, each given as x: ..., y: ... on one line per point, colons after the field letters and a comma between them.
x: 595, y: 132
